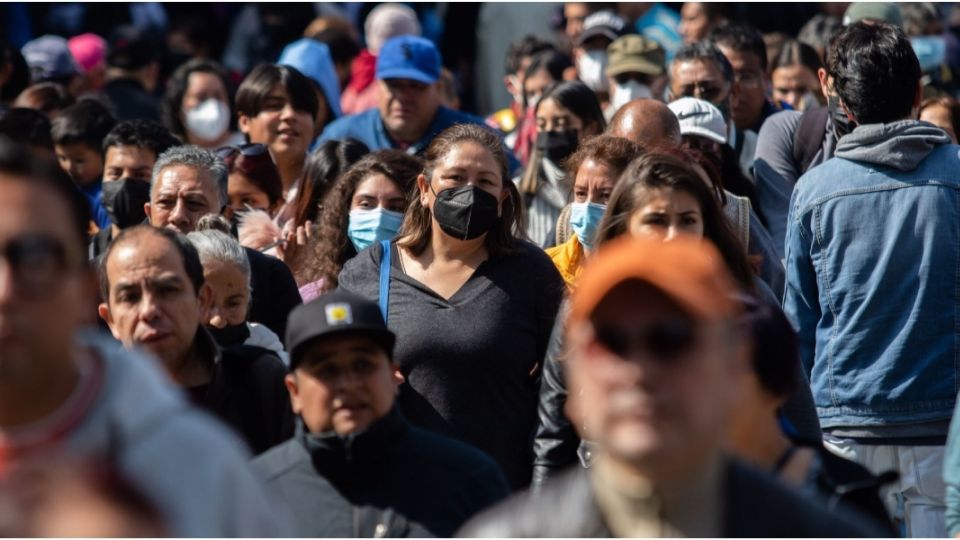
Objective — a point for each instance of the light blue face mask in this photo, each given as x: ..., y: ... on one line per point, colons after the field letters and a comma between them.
x: 369, y: 226
x: 584, y: 220
x: 931, y: 51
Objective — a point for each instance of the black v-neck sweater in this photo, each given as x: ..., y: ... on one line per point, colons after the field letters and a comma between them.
x: 472, y: 362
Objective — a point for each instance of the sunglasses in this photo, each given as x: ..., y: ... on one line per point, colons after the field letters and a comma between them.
x: 246, y: 150
x: 37, y: 263
x: 665, y: 341
x: 706, y: 92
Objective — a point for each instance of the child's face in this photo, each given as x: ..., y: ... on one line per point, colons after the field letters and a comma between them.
x: 82, y: 163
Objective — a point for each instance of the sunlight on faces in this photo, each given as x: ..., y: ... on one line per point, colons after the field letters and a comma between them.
x: 342, y: 383
x: 651, y: 408
x: 36, y: 331
x: 752, y: 84
x: 152, y: 302
x: 202, y: 86
x: 286, y: 131
x: 231, y: 293
x: 466, y: 163
x: 378, y: 191
x: 126, y: 161
x: 666, y: 213
x: 535, y: 84
x: 407, y: 107
x: 699, y: 79
x: 594, y: 182
x: 551, y: 116
x: 180, y: 197
x: 792, y: 83
x: 939, y: 116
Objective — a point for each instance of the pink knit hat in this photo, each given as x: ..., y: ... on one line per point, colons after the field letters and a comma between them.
x: 88, y: 50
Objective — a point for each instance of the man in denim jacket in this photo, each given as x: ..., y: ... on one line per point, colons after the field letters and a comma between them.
x: 873, y: 276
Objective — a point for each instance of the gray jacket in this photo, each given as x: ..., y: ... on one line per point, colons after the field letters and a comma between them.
x: 193, y: 468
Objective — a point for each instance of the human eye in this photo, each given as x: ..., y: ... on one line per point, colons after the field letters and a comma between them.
x: 364, y: 366
x: 128, y: 296
x: 580, y: 195
x: 654, y: 219
x: 166, y: 202
x: 197, y: 204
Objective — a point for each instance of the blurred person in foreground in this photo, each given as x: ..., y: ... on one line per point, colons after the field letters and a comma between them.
x: 654, y: 359
x: 65, y: 388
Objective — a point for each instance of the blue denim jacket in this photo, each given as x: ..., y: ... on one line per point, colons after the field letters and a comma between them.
x: 873, y: 280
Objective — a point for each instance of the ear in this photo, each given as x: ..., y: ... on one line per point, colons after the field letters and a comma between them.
x: 398, y: 377
x: 424, y: 186
x: 508, y: 83
x: 917, y: 100
x: 147, y: 211
x: 104, y: 311
x: 243, y: 122
x: 290, y: 381
x: 822, y: 76
x: 205, y: 298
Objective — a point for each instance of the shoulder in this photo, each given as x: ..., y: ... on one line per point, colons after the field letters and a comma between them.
x: 361, y: 269
x: 564, y: 507
x: 351, y: 124
x: 254, y: 358
x: 450, y: 455
x: 275, y: 463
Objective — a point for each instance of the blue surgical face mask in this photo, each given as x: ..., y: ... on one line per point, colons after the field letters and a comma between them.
x: 369, y: 226
x: 584, y: 219
x: 931, y: 51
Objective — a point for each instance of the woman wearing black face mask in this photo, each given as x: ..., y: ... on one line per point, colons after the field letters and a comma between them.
x: 567, y: 113
x: 470, y: 301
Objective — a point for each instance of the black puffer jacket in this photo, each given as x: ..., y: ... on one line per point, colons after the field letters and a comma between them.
x: 392, y: 480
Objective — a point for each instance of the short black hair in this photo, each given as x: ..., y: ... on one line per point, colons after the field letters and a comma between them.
x: 27, y: 126
x: 551, y: 60
x: 141, y: 134
x: 257, y: 85
x: 706, y: 51
x: 343, y: 48
x: 86, y: 122
x: 188, y: 254
x: 579, y: 99
x: 17, y: 161
x: 743, y: 38
x: 130, y: 48
x: 525, y: 47
x: 875, y: 72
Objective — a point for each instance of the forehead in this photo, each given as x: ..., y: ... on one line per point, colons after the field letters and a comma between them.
x: 28, y: 207
x: 145, y: 254
x: 550, y: 107
x: 338, y: 348
x: 469, y: 154
x: 126, y: 155
x: 177, y: 179
x: 594, y: 172
x: 667, y: 197
x: 202, y: 80
x: 741, y: 60
x: 690, y: 71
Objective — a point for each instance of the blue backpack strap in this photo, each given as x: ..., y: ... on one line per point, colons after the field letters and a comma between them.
x: 385, y: 278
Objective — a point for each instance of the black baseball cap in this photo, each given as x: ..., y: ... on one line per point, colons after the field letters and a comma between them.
x: 332, y: 314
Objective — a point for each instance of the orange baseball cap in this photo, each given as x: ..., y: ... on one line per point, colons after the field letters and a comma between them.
x: 691, y: 272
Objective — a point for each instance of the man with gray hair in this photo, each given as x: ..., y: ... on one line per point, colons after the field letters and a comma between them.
x: 190, y: 182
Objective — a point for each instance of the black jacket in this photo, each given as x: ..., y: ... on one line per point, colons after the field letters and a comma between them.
x: 392, y: 480
x: 275, y: 292
x: 247, y: 392
x: 753, y: 505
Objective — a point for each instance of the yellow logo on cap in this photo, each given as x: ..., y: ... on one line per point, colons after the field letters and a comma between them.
x: 339, y: 314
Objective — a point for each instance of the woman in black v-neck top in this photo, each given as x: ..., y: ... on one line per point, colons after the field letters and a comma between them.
x: 472, y: 304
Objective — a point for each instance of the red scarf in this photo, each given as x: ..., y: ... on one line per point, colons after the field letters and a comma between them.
x: 363, y: 71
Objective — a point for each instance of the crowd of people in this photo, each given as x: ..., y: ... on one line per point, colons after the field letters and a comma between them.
x: 699, y: 277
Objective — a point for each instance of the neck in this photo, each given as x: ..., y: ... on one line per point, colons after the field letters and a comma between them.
x: 114, y: 231
x: 193, y: 369
x: 661, y: 475
x: 116, y: 73
x: 208, y: 144
x: 443, y: 247
x: 289, y: 169
x: 30, y: 399
x: 764, y: 444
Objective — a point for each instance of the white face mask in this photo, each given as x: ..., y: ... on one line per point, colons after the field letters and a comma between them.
x: 590, y: 68
x: 209, y: 120
x: 624, y: 93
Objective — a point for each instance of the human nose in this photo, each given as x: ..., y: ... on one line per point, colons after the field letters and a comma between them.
x: 149, y: 308
x: 217, y: 319
x: 287, y: 112
x: 178, y: 216
x: 671, y: 233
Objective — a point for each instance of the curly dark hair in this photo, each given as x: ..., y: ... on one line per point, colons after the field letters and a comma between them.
x: 330, y: 247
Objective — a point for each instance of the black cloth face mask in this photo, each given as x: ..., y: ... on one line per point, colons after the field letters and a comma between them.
x: 466, y: 212
x: 123, y: 200
x: 841, y: 124
x: 557, y: 145
x: 230, y: 335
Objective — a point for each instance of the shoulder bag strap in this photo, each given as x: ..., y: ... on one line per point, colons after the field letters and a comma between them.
x: 385, y: 278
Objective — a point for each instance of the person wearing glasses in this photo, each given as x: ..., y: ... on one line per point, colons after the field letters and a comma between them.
x: 743, y: 46
x: 64, y: 388
x: 654, y: 358
x: 700, y: 70
x: 190, y: 182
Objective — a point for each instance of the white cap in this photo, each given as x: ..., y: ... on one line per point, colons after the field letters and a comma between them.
x: 699, y: 117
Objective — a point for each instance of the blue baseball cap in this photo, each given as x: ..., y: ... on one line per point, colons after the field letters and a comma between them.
x: 312, y: 58
x: 409, y: 57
